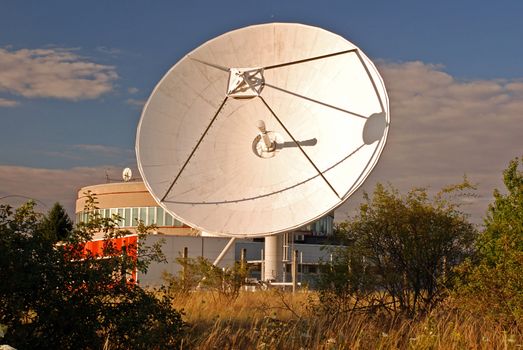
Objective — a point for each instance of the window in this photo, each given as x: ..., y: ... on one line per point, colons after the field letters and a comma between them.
x: 120, y: 215
x: 299, y: 238
x: 143, y: 215
x: 134, y: 216
x: 312, y: 269
x: 151, y: 215
x: 330, y: 222
x: 168, y: 219
x: 159, y: 216
x: 127, y: 217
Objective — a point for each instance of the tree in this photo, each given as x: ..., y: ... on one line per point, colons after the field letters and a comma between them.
x: 492, y: 281
x: 398, y: 252
x: 62, y: 296
x: 57, y: 225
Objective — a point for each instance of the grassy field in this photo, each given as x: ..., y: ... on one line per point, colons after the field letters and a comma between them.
x: 277, y: 320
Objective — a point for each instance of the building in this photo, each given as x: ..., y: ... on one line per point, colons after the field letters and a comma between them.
x: 132, y: 202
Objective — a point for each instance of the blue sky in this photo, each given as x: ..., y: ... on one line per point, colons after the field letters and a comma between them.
x: 74, y: 75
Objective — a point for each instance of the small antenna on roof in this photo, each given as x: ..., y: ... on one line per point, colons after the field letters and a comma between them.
x: 127, y: 174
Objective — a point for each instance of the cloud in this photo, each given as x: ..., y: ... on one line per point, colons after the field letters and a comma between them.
x: 103, y: 149
x: 440, y: 124
x: 135, y: 102
x: 48, y: 186
x: 8, y: 103
x: 53, y: 73
x: 86, y: 152
x: 110, y: 51
x: 443, y: 128
x: 132, y: 90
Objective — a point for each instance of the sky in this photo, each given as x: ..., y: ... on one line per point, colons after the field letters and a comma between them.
x: 74, y: 76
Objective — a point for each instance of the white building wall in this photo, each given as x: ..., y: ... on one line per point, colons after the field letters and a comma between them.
x: 310, y: 253
x: 173, y: 246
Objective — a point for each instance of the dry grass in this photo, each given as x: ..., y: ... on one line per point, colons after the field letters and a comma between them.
x: 207, y: 306
x: 276, y: 320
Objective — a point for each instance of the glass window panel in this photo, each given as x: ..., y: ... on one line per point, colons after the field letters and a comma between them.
x: 177, y: 223
x: 143, y: 214
x: 107, y: 213
x: 151, y: 217
x: 134, y: 216
x: 159, y: 216
x: 127, y: 217
x: 120, y: 214
x: 168, y: 219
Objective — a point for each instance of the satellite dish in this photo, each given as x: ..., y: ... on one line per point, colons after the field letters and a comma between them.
x: 127, y: 174
x: 262, y: 130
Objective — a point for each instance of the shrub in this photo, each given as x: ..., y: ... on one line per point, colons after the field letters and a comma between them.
x: 492, y: 281
x: 200, y: 273
x: 60, y: 296
x: 398, y: 252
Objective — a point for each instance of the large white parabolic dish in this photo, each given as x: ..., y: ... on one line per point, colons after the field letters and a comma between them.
x: 325, y: 109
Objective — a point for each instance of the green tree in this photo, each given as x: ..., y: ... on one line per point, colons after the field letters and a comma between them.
x: 397, y: 253
x: 62, y: 296
x: 492, y: 282
x: 57, y: 225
